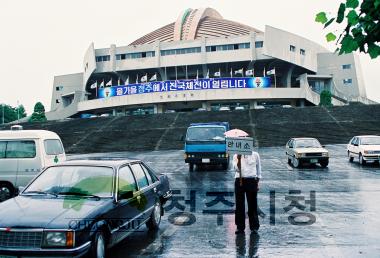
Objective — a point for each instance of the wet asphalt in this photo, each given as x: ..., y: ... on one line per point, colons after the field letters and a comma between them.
x: 306, y: 212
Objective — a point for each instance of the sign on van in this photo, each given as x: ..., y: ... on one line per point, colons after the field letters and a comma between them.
x: 239, y: 145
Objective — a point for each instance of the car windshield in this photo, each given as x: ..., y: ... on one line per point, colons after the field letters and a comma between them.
x: 307, y: 143
x: 74, y: 180
x: 370, y: 141
x: 205, y: 134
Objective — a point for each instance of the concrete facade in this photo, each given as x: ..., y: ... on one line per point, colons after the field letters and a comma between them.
x: 213, y: 45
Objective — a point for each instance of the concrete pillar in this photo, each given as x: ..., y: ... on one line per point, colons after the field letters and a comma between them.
x: 289, y: 77
x: 158, y: 109
x: 114, y: 112
x: 206, y: 105
x: 302, y: 103
x: 252, y: 104
x: 253, y: 45
x: 113, y: 57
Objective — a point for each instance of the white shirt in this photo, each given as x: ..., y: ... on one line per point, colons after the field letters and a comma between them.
x: 250, y: 165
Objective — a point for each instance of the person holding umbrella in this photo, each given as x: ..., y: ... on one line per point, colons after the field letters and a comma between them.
x: 247, y: 177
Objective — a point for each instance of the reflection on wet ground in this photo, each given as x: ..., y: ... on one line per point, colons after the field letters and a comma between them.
x: 309, y: 212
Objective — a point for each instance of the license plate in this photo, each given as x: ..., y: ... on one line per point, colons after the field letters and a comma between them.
x: 205, y: 160
x: 313, y: 161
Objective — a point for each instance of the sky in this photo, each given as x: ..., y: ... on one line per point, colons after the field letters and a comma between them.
x: 44, y: 38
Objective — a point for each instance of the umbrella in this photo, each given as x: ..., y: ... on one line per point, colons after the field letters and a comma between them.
x: 236, y: 133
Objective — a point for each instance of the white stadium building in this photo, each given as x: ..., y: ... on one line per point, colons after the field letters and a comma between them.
x: 204, y: 62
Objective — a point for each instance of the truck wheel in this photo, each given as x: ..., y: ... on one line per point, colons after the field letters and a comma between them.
x: 6, y: 191
x: 191, y: 167
x: 324, y: 163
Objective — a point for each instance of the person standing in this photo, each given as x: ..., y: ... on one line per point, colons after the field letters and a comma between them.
x: 247, y: 177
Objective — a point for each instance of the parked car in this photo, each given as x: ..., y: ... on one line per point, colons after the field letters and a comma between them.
x: 366, y: 148
x: 259, y: 107
x: 23, y: 155
x: 286, y: 106
x: 224, y: 109
x: 306, y: 150
x: 200, y: 110
x: 239, y: 108
x: 81, y: 207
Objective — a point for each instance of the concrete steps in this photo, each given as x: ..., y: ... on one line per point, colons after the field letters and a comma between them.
x: 270, y: 127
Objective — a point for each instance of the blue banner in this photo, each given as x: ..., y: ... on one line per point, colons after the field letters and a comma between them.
x: 184, y: 85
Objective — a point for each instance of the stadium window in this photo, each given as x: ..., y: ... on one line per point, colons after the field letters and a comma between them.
x: 118, y: 57
x: 292, y: 48
x: 302, y: 51
x: 347, y: 81
x: 57, y: 101
x: 346, y: 66
x: 103, y: 58
x: 58, y: 88
x: 259, y: 44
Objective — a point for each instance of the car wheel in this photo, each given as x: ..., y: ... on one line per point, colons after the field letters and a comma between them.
x: 296, y: 162
x: 6, y: 191
x: 361, y: 160
x: 350, y: 158
x: 99, y: 246
x: 155, y: 218
x: 191, y: 167
x: 324, y: 163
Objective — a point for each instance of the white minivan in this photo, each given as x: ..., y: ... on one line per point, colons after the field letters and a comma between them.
x: 23, y: 154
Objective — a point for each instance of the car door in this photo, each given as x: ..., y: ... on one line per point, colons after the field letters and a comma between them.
x: 124, y: 217
x: 28, y: 157
x: 146, y: 195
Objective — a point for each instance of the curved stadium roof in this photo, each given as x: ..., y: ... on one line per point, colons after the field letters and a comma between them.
x: 195, y: 24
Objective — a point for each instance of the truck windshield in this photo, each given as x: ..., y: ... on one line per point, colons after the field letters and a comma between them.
x: 205, y: 134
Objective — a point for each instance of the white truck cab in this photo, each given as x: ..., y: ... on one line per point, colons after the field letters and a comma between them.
x: 23, y: 155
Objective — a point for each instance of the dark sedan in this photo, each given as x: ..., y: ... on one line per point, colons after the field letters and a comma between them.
x: 82, y: 207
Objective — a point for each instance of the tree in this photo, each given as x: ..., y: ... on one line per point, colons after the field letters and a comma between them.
x: 325, y: 99
x: 362, y: 28
x: 38, y: 114
x: 10, y: 113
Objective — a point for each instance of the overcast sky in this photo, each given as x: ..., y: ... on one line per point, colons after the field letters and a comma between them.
x: 43, y: 38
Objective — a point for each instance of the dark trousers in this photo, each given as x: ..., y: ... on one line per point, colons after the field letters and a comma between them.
x: 249, y: 190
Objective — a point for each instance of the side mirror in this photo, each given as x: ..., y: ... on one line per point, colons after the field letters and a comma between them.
x: 126, y: 195
x: 290, y: 147
x: 355, y: 144
x: 323, y: 146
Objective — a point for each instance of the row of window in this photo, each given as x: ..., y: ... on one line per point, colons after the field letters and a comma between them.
x: 135, y: 55
x: 180, y: 51
x: 138, y: 179
x: 293, y: 49
x: 27, y: 149
x: 227, y: 47
x: 103, y: 58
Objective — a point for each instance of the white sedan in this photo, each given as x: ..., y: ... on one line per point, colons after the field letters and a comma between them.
x: 306, y: 150
x: 366, y: 148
